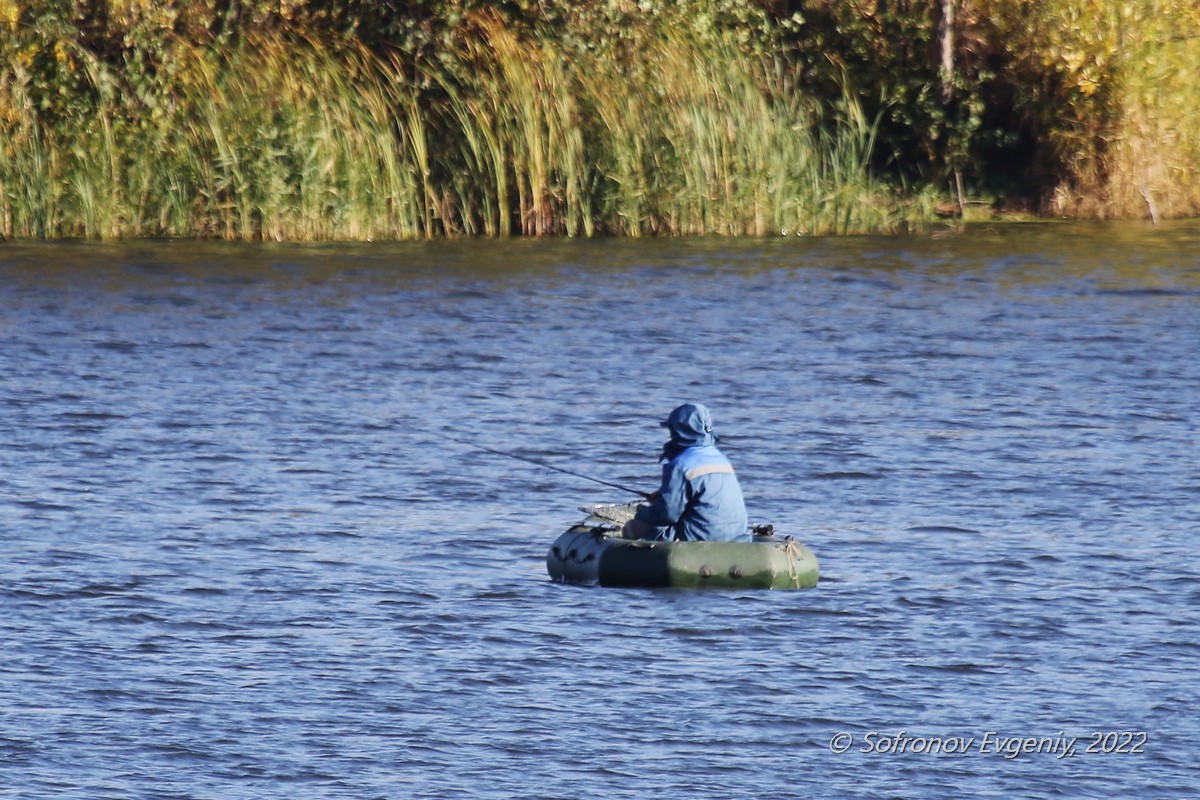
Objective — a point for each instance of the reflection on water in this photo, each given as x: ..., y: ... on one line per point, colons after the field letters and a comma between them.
x: 240, y: 561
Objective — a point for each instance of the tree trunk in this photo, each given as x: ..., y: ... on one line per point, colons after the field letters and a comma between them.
x: 946, y: 42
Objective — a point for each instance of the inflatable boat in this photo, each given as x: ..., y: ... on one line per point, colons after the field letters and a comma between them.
x: 593, y: 551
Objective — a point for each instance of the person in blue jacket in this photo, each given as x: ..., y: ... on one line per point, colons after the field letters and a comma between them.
x: 700, y: 498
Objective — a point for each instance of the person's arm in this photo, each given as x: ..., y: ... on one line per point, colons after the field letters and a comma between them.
x: 670, y: 501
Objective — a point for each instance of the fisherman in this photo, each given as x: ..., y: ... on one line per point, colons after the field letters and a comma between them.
x: 700, y: 498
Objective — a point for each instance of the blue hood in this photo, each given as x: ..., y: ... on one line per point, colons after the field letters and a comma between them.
x: 690, y: 425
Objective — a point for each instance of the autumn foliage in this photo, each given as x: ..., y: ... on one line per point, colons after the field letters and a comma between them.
x: 320, y: 119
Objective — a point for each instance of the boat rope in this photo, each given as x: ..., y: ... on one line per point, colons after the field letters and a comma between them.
x: 794, y: 554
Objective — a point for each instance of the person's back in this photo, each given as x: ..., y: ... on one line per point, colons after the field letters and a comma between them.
x: 700, y: 498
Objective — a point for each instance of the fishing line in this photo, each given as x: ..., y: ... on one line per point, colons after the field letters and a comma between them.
x: 542, y: 464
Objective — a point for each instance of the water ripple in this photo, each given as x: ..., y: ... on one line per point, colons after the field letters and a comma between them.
x: 239, y: 563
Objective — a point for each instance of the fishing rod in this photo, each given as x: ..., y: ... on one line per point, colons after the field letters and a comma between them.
x: 543, y: 464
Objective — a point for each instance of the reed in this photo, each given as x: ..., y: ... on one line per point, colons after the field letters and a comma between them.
x: 34, y: 183
x: 710, y: 143
x: 25, y: 171
x: 1109, y: 89
x: 684, y: 140
x: 278, y: 139
x: 288, y: 141
x: 1153, y: 163
x: 519, y: 124
x: 281, y: 135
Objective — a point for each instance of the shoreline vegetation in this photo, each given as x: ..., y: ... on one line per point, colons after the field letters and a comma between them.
x: 324, y: 120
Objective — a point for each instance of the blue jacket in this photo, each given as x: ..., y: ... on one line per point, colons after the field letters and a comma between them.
x: 700, y: 498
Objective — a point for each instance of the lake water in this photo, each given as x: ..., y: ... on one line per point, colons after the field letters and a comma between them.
x: 239, y: 560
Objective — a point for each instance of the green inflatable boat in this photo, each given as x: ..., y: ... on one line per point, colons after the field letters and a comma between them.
x: 592, y: 552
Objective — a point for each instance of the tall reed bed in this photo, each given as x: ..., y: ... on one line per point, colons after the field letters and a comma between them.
x: 275, y: 139
x: 1153, y: 162
x: 517, y: 160
x: 290, y: 141
x: 1110, y: 88
x: 712, y: 143
x: 674, y: 135
x: 280, y: 136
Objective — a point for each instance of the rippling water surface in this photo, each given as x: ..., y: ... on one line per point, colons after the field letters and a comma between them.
x: 240, y: 562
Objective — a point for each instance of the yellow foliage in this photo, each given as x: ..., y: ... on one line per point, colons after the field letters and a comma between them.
x: 1115, y: 82
x: 1153, y: 163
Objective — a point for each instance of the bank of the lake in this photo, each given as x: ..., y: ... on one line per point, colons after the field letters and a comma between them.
x: 324, y: 121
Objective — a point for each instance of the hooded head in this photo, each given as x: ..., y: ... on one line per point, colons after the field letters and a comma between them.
x: 690, y: 425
